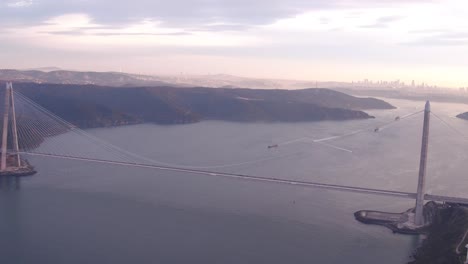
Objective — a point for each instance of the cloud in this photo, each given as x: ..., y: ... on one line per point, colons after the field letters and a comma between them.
x: 180, y: 13
x: 19, y: 4
x: 383, y: 22
x: 388, y: 19
x: 304, y: 32
x: 77, y: 32
x: 445, y: 38
x: 142, y: 34
x: 80, y: 32
x: 324, y: 20
x: 426, y: 31
x: 220, y: 27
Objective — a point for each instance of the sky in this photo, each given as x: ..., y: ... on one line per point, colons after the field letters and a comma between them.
x: 324, y: 40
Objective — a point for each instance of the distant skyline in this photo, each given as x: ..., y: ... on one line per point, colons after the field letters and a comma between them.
x: 324, y: 40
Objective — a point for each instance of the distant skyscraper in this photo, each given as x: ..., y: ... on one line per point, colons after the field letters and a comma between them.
x: 412, y: 83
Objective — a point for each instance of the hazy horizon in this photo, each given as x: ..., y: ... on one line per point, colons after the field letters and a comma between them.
x: 223, y: 76
x: 337, y: 40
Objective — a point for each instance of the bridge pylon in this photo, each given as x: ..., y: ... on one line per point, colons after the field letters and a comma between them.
x: 9, y: 111
x: 421, y: 192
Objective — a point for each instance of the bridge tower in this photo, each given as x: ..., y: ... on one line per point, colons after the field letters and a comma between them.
x: 419, y: 217
x: 9, y: 110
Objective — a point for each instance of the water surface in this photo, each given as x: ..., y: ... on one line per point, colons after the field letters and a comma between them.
x: 78, y: 212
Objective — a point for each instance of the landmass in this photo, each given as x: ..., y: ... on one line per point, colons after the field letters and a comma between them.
x: 446, y: 237
x: 445, y: 228
x: 121, y: 79
x: 442, y: 95
x: 99, y: 106
x: 463, y: 116
x: 57, y: 76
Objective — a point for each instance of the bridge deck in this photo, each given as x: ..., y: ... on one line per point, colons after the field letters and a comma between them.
x: 324, y: 186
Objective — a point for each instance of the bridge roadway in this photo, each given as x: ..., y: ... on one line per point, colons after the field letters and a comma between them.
x: 264, y: 179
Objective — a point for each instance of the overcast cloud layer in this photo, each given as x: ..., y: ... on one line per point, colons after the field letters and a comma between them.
x: 178, y: 12
x: 322, y: 39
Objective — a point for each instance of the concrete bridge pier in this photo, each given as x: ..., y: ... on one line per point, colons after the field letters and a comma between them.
x: 419, y: 217
x: 9, y: 107
x: 6, y: 110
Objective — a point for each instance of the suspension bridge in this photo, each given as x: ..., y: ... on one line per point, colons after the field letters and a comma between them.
x: 27, y: 124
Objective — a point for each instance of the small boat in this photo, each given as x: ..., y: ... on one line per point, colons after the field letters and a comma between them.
x: 273, y: 146
x: 397, y: 118
x: 376, y: 129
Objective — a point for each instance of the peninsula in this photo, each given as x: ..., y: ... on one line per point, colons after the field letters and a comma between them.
x: 100, y: 106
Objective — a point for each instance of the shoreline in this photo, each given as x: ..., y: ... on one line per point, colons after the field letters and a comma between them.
x: 445, y: 227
